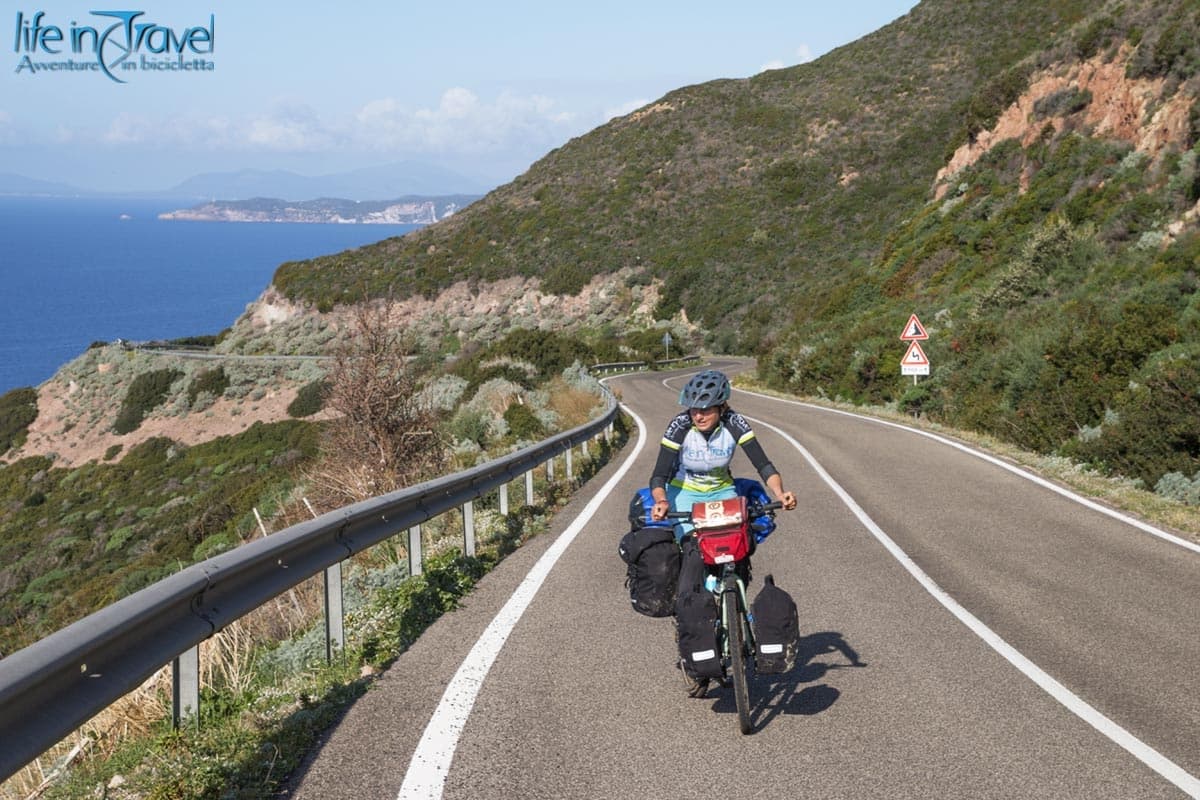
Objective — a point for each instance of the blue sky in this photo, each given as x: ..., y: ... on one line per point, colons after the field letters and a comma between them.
x: 483, y: 89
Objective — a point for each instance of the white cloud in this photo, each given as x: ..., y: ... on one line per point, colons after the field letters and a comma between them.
x: 457, y: 103
x: 291, y: 127
x: 508, y: 129
x: 126, y: 128
x: 462, y: 122
x: 287, y: 127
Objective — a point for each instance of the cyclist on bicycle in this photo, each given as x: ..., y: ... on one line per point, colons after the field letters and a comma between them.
x: 693, y: 464
x: 694, y: 456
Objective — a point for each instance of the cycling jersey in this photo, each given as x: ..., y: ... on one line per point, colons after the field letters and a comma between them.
x: 693, y: 461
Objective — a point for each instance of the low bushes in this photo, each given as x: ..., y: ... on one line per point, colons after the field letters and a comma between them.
x: 147, y: 391
x: 309, y: 400
x: 18, y: 410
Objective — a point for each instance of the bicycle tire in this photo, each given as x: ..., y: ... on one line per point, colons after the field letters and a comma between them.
x: 735, y: 619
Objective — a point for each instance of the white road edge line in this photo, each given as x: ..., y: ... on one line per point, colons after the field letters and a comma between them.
x: 1076, y: 705
x: 1029, y: 476
x: 426, y: 775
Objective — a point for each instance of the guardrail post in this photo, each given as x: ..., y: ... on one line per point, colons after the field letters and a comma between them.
x: 569, y: 473
x: 550, y: 468
x: 185, y: 687
x: 414, y: 551
x: 504, y: 499
x: 469, y: 528
x: 583, y: 448
x: 335, y: 633
x: 529, y: 488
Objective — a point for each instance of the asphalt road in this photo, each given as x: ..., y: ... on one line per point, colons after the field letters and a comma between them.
x: 1056, y: 660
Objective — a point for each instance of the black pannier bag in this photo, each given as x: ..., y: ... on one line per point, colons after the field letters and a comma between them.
x: 696, y: 617
x: 776, y: 629
x: 652, y: 574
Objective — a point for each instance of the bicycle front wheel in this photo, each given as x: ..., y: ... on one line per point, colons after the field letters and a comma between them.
x: 735, y: 618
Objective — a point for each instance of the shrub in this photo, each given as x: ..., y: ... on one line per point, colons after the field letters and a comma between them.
x: 523, y: 422
x: 1098, y: 33
x: 1062, y: 103
x: 213, y: 381
x: 118, y: 538
x: 18, y: 409
x: 444, y: 392
x: 412, y: 606
x: 1155, y: 432
x: 549, y: 351
x: 1177, y: 486
x: 917, y: 399
x: 146, y: 393
x: 309, y: 400
x: 469, y: 425
x: 207, y: 340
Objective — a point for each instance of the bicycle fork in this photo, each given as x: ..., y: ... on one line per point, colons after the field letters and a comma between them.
x: 731, y: 583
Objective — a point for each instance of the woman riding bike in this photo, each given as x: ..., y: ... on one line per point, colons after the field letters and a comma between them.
x: 693, y: 462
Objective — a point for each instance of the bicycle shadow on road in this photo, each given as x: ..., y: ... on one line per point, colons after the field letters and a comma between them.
x: 797, y: 691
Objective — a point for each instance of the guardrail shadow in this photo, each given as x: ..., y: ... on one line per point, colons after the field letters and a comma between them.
x: 799, y: 690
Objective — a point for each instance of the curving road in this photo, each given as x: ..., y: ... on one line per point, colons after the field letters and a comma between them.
x: 968, y: 633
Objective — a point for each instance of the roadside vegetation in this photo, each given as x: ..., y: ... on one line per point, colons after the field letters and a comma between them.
x: 267, y: 689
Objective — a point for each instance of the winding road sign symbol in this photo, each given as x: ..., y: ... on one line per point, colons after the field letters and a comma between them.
x: 914, y: 361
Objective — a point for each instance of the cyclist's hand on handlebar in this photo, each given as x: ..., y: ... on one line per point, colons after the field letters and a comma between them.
x: 789, y: 500
x: 659, y: 511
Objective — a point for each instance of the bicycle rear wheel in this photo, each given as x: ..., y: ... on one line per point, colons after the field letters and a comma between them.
x: 735, y: 619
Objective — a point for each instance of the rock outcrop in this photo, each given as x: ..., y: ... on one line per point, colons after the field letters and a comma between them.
x: 1134, y: 110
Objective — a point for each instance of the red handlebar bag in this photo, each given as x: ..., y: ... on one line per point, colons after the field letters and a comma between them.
x: 721, y: 530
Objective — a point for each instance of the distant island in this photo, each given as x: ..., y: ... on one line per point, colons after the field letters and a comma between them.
x: 411, y: 210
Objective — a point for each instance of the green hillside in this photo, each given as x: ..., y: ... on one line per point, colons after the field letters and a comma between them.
x: 730, y: 178
x: 793, y: 215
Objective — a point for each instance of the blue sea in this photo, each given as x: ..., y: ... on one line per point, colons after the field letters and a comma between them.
x: 78, y: 270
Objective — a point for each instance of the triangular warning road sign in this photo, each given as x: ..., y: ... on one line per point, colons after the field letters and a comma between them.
x: 913, y: 330
x: 915, y: 357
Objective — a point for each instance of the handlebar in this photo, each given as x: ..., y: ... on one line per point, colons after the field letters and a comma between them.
x: 753, y: 510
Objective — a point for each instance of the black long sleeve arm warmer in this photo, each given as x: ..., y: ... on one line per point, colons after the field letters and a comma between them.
x: 663, y: 468
x: 758, y: 457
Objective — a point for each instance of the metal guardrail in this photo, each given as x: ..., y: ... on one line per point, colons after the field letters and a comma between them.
x: 56, y: 684
x: 636, y: 366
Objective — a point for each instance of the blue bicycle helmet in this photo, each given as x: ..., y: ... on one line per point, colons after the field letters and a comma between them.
x: 708, y: 388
